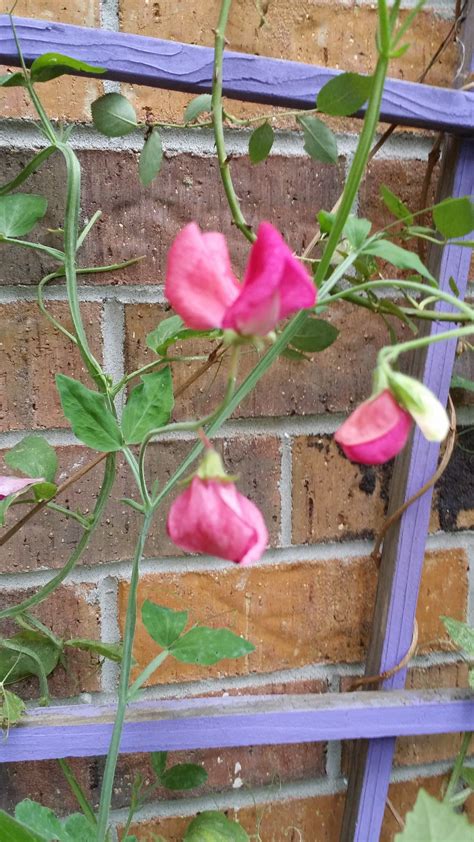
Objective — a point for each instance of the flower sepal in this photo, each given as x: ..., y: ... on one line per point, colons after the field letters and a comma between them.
x: 424, y: 407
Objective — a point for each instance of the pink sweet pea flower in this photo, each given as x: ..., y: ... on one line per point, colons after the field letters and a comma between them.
x: 376, y: 431
x: 12, y: 485
x: 202, y: 289
x: 212, y: 517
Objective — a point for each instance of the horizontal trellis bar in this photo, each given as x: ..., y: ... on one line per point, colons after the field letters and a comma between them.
x: 185, y: 67
x: 78, y: 731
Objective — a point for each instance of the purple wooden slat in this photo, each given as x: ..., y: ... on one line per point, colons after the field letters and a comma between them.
x: 401, y: 607
x: 240, y: 721
x: 184, y: 67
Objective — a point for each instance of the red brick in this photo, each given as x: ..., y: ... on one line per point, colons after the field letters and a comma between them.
x: 336, y: 381
x: 266, y: 604
x: 71, y: 611
x: 334, y: 499
x: 299, y: 820
x: 35, y: 352
x: 49, y: 538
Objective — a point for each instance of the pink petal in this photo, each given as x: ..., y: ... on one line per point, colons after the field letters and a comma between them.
x: 200, y: 285
x: 376, y: 431
x: 11, y: 485
x: 212, y: 517
x: 275, y: 285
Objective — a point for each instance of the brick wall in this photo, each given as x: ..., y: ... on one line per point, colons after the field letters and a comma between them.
x: 307, y: 606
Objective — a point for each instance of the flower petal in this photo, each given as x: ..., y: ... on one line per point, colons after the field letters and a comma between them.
x: 275, y: 285
x: 200, y: 285
x: 212, y: 517
x: 376, y: 431
x: 12, y: 485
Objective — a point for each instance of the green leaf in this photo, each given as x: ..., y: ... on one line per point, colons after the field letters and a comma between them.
x: 458, y: 382
x: 319, y: 141
x: 113, y: 115
x: 12, y: 708
x: 454, y: 287
x: 172, y: 330
x: 148, y: 406
x: 294, y: 355
x: 470, y: 679
x: 12, y: 831
x: 461, y: 634
x: 163, y: 624
x: 112, y: 651
x: 34, y: 457
x: 398, y: 256
x: 44, y: 491
x: 198, y: 105
x: 40, y: 819
x: 214, y: 827
x: 315, y: 336
x: 454, y: 217
x: 395, y: 205
x: 165, y: 334
x: 12, y: 80
x: 50, y: 65
x: 89, y: 416
x: 15, y: 666
x: 19, y: 213
x: 344, y: 94
x: 260, y: 143
x: 467, y: 774
x: 77, y: 828
x: 184, y: 776
x: 433, y: 821
x: 158, y: 762
x: 206, y: 646
x: 357, y: 230
x: 151, y: 158
x: 326, y: 221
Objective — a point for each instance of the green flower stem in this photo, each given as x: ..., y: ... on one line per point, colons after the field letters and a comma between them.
x: 217, y: 114
x: 456, y: 773
x: 391, y: 353
x: 77, y: 791
x: 269, y: 115
x: 30, y: 168
x: 411, y: 312
x: 361, y: 155
x: 55, y: 507
x: 71, y: 223
x: 434, y: 293
x: 85, y: 231
x: 147, y: 673
x: 52, y: 252
x: 46, y: 124
x: 128, y: 638
x: 188, y: 426
x: 39, y: 596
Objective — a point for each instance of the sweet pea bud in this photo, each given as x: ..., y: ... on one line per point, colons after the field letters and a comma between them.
x: 421, y: 403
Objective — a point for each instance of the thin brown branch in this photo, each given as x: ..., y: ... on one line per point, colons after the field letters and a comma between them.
x: 376, y: 554
x: 213, y: 358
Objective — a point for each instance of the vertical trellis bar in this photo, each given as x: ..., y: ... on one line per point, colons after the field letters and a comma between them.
x: 404, y: 547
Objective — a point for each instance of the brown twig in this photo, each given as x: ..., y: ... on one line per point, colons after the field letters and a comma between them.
x: 376, y: 679
x: 214, y: 357
x: 376, y: 553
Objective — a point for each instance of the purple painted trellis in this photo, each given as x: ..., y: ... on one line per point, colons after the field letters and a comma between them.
x: 379, y: 716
